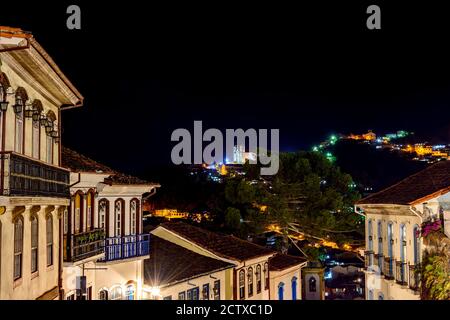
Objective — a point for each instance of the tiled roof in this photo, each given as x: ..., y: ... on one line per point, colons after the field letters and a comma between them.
x: 79, y: 163
x: 283, y: 261
x: 429, y: 182
x: 225, y: 246
x: 170, y: 263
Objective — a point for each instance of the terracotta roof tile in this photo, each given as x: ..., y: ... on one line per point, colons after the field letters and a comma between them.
x: 225, y: 246
x: 79, y: 163
x: 283, y: 261
x: 430, y: 181
x: 170, y: 263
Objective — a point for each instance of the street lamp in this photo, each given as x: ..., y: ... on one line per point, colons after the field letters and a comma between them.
x: 29, y: 110
x: 18, y: 106
x: 43, y: 119
x: 3, y: 102
x: 49, y: 126
x: 36, y: 115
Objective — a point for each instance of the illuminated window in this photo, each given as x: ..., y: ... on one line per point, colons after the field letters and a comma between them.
x: 78, y: 213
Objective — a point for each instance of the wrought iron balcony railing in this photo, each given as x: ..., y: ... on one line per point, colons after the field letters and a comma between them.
x: 388, y: 269
x: 400, y: 273
x: 414, y: 277
x: 23, y: 176
x: 84, y: 245
x: 368, y: 259
x: 119, y: 248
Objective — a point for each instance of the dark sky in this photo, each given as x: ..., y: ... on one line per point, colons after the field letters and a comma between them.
x: 309, y: 70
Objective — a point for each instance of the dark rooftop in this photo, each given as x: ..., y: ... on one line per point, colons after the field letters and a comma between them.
x: 284, y: 261
x: 170, y: 263
x: 225, y: 246
x: 77, y: 162
x: 432, y: 181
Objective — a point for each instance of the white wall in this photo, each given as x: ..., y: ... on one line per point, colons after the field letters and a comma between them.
x: 175, y: 289
x: 286, y: 277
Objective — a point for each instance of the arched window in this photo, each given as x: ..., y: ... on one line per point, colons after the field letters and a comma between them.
x: 134, y: 216
x: 116, y: 293
x: 266, y: 276
x: 294, y: 288
x: 416, y: 245
x: 49, y: 232
x: 19, y: 110
x: 90, y: 198
x: 380, y: 296
x: 34, y: 243
x: 36, y: 129
x: 18, y: 247
x: 312, y: 284
x: 258, y: 278
x: 281, y: 291
x: 119, y: 212
x: 242, y: 284
x: 250, y: 281
x: 402, y: 243
x: 103, y: 294
x: 370, y: 295
x: 129, y: 293
x: 103, y: 212
x: 78, y: 212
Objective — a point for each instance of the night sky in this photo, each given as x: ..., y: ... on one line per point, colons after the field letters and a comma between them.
x: 309, y: 70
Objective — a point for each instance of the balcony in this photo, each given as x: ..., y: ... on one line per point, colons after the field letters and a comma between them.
x: 388, y: 269
x: 379, y: 261
x: 84, y: 245
x: 127, y: 247
x: 23, y: 176
x: 414, y: 277
x: 368, y: 259
x: 400, y: 273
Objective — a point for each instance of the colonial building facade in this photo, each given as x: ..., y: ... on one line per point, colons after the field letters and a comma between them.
x: 396, y: 219
x: 257, y: 273
x: 103, y: 238
x: 34, y: 188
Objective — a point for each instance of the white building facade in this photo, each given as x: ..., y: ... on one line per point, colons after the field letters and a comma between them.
x: 34, y: 190
x: 103, y: 233
x: 395, y: 218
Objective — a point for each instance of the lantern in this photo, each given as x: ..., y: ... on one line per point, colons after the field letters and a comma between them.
x: 43, y: 119
x: 19, y: 105
x: 3, y: 102
x: 28, y: 110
